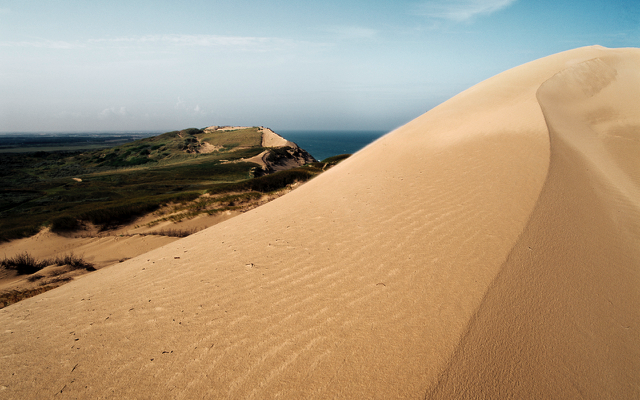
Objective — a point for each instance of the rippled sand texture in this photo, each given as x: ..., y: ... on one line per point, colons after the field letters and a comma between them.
x: 488, y: 249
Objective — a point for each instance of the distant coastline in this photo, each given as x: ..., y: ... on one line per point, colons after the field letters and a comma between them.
x: 320, y: 144
x: 21, y: 142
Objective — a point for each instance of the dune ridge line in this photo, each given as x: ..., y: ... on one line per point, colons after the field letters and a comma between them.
x: 504, y: 375
x: 487, y: 249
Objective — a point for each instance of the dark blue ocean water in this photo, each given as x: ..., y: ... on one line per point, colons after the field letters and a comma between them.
x: 324, y: 144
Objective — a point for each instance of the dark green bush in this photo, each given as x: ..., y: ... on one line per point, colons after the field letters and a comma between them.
x: 24, y: 230
x: 121, y: 162
x: 117, y: 215
x: 190, y: 131
x: 278, y: 153
x: 267, y: 183
x: 64, y: 223
x: 278, y: 180
x: 336, y: 159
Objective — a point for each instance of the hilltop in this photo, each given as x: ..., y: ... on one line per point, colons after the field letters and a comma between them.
x: 258, y: 145
x: 111, y: 186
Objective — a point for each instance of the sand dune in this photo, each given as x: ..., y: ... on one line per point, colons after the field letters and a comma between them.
x: 488, y: 249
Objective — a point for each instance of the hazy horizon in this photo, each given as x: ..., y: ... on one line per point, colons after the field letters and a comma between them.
x: 336, y: 65
x: 160, y: 131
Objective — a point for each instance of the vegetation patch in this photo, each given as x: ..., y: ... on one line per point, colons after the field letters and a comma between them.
x: 113, y: 186
x: 118, y: 214
x: 25, y: 264
x: 172, y: 232
x: 336, y: 159
x: 267, y: 183
x: 64, y: 223
x: 74, y: 262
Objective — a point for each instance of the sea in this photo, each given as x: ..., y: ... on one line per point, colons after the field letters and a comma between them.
x: 325, y: 144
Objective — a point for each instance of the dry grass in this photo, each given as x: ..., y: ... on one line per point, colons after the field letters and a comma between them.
x: 172, y: 232
x: 25, y: 264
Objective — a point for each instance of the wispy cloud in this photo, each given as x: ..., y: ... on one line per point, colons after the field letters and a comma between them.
x: 461, y: 10
x: 241, y: 43
x: 352, y: 32
x: 45, y: 44
x: 193, y: 41
x: 113, y: 112
x: 183, y: 107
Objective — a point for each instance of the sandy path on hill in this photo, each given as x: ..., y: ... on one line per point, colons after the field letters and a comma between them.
x: 487, y: 249
x: 272, y: 139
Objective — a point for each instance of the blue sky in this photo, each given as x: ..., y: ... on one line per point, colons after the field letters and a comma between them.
x: 288, y: 64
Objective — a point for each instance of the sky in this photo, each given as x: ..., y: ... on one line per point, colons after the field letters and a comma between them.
x: 141, y: 65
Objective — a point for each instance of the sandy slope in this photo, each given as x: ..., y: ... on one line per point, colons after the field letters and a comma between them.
x: 272, y: 139
x: 488, y: 249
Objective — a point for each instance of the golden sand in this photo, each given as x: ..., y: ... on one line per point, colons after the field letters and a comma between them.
x: 488, y: 249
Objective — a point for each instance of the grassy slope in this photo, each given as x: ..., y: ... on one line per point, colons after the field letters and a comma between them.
x: 120, y: 183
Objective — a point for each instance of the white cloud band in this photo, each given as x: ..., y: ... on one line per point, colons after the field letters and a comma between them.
x: 211, y: 41
x: 462, y: 10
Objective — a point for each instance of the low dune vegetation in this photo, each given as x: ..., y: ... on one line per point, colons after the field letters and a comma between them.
x: 110, y: 187
x: 24, y: 263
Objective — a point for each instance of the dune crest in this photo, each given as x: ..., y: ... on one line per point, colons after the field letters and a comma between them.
x: 487, y: 249
x: 561, y: 319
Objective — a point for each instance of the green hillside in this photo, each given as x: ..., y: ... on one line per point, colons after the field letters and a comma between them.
x: 113, y: 186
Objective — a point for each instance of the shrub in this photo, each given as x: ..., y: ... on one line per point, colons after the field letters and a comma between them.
x: 116, y: 215
x: 278, y: 180
x: 266, y: 183
x: 64, y: 223
x: 336, y: 159
x: 171, y: 232
x: 191, y: 131
x: 24, y: 263
x: 278, y: 153
x: 11, y: 232
x: 138, y: 161
x: 74, y: 262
